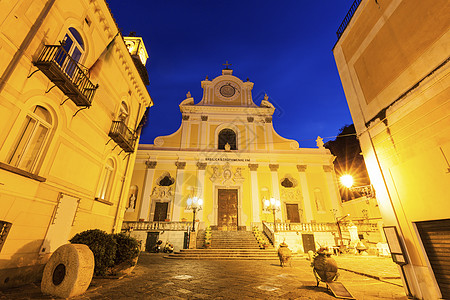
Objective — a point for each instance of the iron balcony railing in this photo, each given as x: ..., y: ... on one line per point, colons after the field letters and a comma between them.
x: 66, y: 74
x: 347, y: 18
x: 123, y: 136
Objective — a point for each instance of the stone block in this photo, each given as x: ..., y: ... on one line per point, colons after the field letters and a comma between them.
x: 69, y: 271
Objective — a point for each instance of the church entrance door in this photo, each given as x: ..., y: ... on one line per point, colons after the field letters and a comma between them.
x: 292, y: 213
x: 160, y: 211
x: 228, y: 209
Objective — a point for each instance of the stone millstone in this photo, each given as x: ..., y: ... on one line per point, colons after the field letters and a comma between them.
x: 69, y: 271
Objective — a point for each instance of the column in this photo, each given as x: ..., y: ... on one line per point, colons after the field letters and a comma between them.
x: 203, y: 134
x: 275, y: 186
x: 178, y: 191
x: 305, y: 193
x: 269, y: 133
x: 147, y: 190
x: 185, y: 128
x: 201, y: 169
x: 256, y: 203
x: 335, y: 203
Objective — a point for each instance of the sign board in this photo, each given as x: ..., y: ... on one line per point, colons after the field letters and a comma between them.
x: 395, y: 245
x: 339, y: 290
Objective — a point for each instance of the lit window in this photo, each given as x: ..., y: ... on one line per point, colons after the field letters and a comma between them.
x: 74, y: 48
x: 227, y: 136
x: 32, y: 139
x: 106, y: 183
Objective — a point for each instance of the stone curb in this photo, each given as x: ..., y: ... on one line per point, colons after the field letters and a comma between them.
x: 383, y: 279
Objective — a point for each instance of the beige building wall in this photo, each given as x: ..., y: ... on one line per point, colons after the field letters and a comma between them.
x: 393, y: 63
x: 46, y: 202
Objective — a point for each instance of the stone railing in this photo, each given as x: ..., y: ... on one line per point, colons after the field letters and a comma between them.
x: 268, y: 231
x: 305, y: 227
x: 168, y: 226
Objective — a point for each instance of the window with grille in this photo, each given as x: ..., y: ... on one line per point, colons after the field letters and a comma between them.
x: 4, y: 230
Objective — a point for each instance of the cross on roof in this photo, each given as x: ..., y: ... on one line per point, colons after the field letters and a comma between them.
x: 226, y: 65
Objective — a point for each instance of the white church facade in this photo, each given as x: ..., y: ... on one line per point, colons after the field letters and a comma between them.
x: 227, y: 153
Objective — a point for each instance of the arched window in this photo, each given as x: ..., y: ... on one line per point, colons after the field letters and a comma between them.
x: 227, y: 136
x: 74, y: 47
x: 34, y: 135
x: 123, y: 112
x: 107, y: 180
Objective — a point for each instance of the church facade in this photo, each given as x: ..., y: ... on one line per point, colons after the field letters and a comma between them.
x: 227, y: 153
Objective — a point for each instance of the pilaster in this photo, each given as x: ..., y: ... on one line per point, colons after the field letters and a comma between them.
x: 275, y: 186
x: 256, y: 210
x: 305, y: 192
x: 147, y: 190
x: 178, y: 191
x: 332, y: 186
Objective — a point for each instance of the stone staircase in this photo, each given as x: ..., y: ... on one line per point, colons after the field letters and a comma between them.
x: 228, y: 245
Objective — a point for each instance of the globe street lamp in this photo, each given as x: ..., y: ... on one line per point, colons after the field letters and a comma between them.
x: 272, y: 205
x: 194, y: 204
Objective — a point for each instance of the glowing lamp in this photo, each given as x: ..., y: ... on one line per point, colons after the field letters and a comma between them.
x: 347, y: 180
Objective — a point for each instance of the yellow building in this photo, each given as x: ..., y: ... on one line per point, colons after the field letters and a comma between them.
x: 393, y: 60
x: 71, y: 101
x: 227, y: 153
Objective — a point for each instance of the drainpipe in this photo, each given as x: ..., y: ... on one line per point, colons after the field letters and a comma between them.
x: 25, y: 43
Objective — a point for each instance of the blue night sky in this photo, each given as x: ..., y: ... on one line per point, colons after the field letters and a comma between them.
x: 284, y: 47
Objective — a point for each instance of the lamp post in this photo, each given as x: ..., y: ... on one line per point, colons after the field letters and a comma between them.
x: 194, y: 204
x: 274, y: 206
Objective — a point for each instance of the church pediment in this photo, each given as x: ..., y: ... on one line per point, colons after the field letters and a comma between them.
x: 227, y: 90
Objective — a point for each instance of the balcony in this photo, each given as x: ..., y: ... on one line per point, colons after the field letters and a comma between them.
x: 347, y: 18
x: 66, y: 74
x: 123, y: 136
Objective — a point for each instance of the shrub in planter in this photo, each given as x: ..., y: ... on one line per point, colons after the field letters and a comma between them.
x: 102, y: 245
x: 127, y: 248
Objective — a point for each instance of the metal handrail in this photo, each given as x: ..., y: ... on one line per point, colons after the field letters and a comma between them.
x: 347, y: 18
x: 123, y: 136
x: 71, y: 68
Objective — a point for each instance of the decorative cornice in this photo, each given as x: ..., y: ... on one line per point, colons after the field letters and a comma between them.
x: 201, y: 166
x: 274, y: 167
x: 327, y: 168
x: 253, y: 167
x: 180, y: 165
x: 268, y: 119
x: 250, y: 119
x: 301, y: 168
x: 151, y: 164
x: 204, y: 118
x: 246, y: 110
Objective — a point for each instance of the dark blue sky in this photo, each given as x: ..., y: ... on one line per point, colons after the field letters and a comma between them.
x: 284, y: 47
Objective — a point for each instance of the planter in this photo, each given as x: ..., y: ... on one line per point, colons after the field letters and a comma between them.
x: 324, y: 267
x: 284, y: 254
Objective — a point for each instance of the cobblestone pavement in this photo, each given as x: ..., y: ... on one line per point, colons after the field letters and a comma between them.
x: 159, y: 278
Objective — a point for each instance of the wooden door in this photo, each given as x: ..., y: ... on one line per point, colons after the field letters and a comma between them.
x: 150, y: 243
x: 292, y: 213
x: 308, y: 242
x: 160, y: 211
x: 228, y: 209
